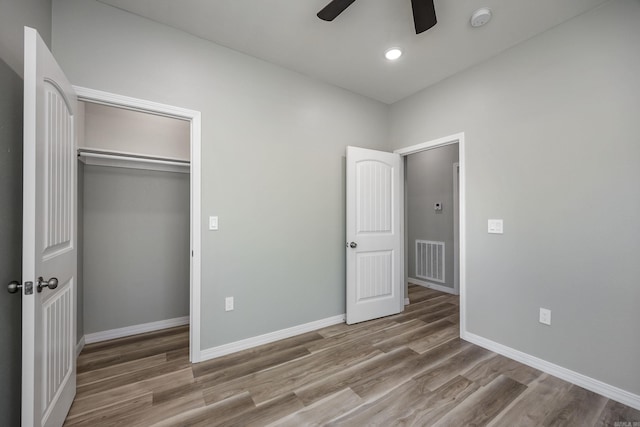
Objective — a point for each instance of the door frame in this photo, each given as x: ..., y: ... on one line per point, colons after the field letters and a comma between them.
x: 456, y: 227
x: 194, y: 118
x: 459, y: 139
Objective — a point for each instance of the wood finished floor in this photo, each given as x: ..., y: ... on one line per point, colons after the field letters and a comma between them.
x: 407, y: 369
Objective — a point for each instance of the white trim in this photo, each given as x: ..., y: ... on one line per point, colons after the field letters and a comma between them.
x: 79, y: 346
x: 135, y: 330
x: 135, y: 104
x: 99, y: 159
x: 195, y: 118
x: 404, y: 248
x: 596, y: 386
x: 196, y: 258
x: 403, y: 233
x: 133, y: 156
x: 440, y: 142
x: 456, y: 229
x: 233, y: 347
x: 430, y: 285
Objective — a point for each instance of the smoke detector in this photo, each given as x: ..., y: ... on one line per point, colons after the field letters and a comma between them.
x: 480, y: 17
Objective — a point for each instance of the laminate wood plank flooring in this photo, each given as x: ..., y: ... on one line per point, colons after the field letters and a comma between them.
x: 411, y: 369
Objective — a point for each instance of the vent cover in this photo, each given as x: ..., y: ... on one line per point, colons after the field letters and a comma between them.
x: 430, y: 260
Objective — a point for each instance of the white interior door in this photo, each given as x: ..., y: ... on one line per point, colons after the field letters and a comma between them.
x: 49, y: 239
x: 374, y: 239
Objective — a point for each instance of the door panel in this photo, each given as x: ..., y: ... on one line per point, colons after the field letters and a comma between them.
x: 58, y: 344
x: 49, y: 239
x: 374, y: 197
x: 374, y: 274
x: 58, y: 180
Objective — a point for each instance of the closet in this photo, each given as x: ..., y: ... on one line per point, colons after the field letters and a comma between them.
x: 133, y: 222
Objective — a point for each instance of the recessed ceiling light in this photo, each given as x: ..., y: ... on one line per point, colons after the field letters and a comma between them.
x: 480, y: 17
x: 393, y: 54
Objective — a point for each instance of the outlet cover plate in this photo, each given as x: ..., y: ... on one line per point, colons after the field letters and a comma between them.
x: 495, y: 226
x: 228, y: 304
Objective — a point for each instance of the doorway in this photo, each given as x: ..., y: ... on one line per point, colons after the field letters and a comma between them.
x: 459, y: 206
x: 162, y: 166
x: 431, y: 218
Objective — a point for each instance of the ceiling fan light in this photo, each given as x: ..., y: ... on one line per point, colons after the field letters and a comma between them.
x: 393, y: 53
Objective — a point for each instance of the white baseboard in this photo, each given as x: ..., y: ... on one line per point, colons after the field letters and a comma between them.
x: 79, y: 346
x: 433, y: 286
x: 596, y: 386
x: 233, y: 347
x: 406, y: 301
x: 135, y: 329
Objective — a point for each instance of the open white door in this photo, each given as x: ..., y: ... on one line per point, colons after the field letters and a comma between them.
x: 49, y: 239
x: 374, y: 239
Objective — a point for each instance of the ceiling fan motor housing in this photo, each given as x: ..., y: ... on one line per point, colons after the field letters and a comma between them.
x: 424, y: 12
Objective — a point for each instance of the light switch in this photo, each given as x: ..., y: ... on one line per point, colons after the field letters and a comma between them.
x: 545, y: 316
x: 213, y: 223
x: 495, y: 226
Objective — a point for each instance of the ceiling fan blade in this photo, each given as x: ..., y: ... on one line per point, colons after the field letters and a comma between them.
x: 333, y: 9
x: 424, y: 15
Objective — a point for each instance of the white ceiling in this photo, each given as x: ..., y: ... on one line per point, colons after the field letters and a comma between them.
x: 348, y: 52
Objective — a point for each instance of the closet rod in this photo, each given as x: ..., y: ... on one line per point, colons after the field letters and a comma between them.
x: 141, y: 159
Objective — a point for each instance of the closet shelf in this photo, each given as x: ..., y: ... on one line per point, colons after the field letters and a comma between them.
x: 92, y: 156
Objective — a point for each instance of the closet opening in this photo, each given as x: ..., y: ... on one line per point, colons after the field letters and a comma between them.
x: 138, y: 218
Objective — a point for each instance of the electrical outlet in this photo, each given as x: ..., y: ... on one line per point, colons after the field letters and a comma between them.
x: 228, y: 304
x: 495, y: 226
x: 545, y: 316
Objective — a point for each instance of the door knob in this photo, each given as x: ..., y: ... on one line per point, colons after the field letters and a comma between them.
x: 51, y: 283
x: 14, y: 286
x: 353, y: 245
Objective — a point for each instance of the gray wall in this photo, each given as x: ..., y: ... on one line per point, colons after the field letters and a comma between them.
x: 136, y: 247
x: 273, y: 143
x: 13, y: 16
x: 131, y: 131
x: 552, y: 147
x: 429, y: 180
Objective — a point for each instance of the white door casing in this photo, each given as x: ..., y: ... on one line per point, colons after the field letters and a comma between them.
x: 374, y: 266
x: 49, y: 238
x: 456, y: 227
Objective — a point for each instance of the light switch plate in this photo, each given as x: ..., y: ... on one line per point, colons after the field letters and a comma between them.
x: 495, y: 226
x: 213, y: 223
x: 545, y: 316
x: 228, y: 304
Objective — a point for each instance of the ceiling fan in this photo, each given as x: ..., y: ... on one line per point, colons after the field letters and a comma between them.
x: 424, y: 13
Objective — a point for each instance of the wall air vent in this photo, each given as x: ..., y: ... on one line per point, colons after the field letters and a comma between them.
x: 430, y: 260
